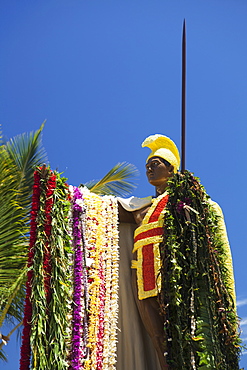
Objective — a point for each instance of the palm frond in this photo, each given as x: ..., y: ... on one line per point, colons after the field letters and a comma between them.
x: 18, y: 160
x: 118, y: 181
x: 13, y: 237
x: 12, y: 297
x: 3, y: 356
x: 12, y: 212
x: 27, y: 153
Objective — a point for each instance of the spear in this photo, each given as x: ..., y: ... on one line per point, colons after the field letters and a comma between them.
x: 183, y: 97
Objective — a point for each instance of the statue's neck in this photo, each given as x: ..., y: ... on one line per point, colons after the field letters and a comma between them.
x: 160, y: 189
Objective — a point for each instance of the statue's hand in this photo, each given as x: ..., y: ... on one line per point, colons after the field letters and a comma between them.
x: 140, y: 214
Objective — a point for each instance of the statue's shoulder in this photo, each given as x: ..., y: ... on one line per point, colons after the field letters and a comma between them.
x: 134, y: 203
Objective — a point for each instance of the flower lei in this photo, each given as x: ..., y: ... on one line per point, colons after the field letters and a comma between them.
x: 79, y: 331
x: 101, y: 239
x: 72, y: 288
x: 26, y: 348
x: 51, y: 184
x: 45, y: 315
x: 200, y: 316
x: 111, y: 284
x: 41, y: 273
x: 95, y: 236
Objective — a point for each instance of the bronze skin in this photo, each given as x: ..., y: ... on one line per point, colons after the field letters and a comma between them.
x: 158, y: 172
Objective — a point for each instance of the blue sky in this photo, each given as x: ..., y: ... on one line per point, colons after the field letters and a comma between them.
x: 106, y: 74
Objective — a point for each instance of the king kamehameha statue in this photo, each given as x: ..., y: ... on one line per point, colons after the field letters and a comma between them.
x: 183, y: 284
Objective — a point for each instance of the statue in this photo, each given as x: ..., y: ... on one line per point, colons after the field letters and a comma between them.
x: 150, y: 268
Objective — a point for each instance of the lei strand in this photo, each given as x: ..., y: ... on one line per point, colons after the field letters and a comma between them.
x: 41, y: 281
x: 114, y: 284
x: 26, y: 348
x: 69, y: 315
x: 96, y: 249
x: 199, y: 331
x: 102, y: 242
x: 85, y: 297
x: 223, y: 309
x: 78, y: 281
x: 104, y: 294
x: 60, y: 305
x: 220, y: 309
x: 100, y: 334
x: 108, y: 277
x: 85, y: 193
x: 51, y: 184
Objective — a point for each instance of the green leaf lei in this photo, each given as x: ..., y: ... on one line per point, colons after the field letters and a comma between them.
x: 49, y: 340
x: 201, y: 325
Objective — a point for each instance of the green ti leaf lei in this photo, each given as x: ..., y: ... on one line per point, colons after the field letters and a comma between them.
x: 201, y: 325
x: 49, y: 338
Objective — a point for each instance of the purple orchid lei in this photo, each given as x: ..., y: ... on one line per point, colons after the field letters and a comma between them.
x: 100, y: 336
x: 78, y: 331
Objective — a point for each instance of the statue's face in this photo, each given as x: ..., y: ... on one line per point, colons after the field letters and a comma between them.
x: 157, y: 172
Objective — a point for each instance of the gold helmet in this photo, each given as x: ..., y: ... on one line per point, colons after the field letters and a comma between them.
x: 162, y: 146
